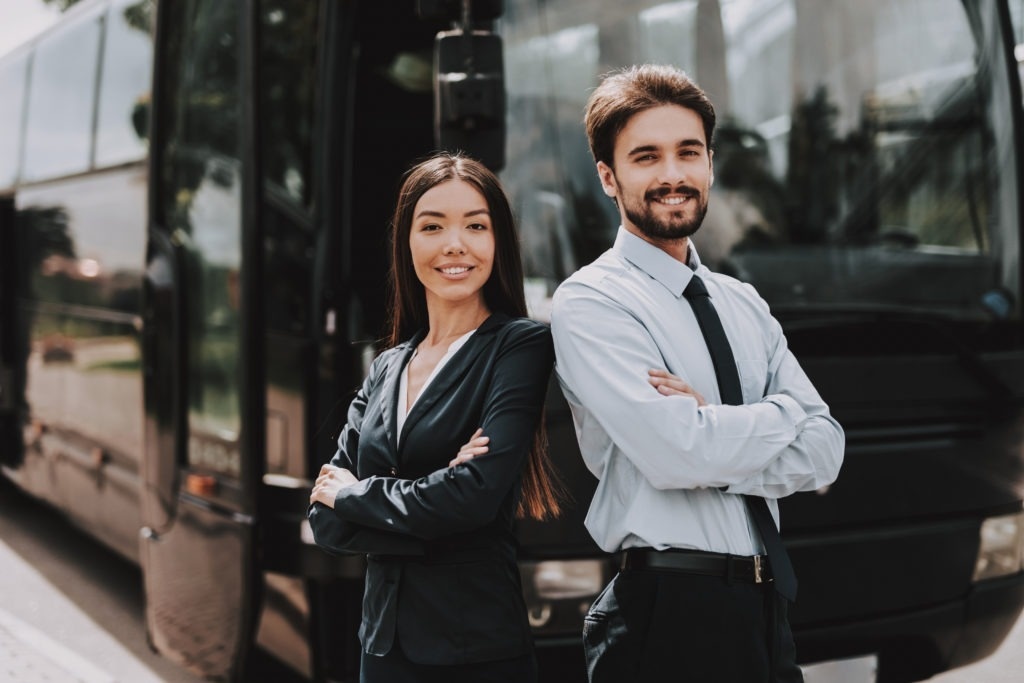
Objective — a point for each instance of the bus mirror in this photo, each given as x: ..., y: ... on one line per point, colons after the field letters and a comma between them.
x: 469, y: 95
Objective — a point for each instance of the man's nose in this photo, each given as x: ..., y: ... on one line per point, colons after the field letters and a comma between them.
x: 672, y: 171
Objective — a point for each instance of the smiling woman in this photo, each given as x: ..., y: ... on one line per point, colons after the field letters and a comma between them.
x: 443, y: 446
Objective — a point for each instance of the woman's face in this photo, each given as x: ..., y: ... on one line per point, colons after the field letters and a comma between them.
x: 452, y: 243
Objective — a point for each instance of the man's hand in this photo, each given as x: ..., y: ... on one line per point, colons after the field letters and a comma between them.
x: 477, y: 445
x: 331, y: 480
x: 668, y: 384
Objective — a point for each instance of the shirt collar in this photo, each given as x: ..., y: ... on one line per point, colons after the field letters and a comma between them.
x: 673, y: 275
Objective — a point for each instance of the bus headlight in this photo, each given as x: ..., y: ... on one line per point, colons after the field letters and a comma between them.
x: 1001, y: 551
x: 567, y: 579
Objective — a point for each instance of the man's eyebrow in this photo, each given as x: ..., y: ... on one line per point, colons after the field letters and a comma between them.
x: 687, y: 142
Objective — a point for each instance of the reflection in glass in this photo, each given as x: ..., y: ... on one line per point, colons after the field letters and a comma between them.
x: 58, y: 139
x: 857, y: 157
x: 202, y: 207
x: 125, y: 83
x: 12, y: 101
x: 287, y: 93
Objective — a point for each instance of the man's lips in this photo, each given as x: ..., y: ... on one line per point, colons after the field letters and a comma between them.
x: 672, y: 197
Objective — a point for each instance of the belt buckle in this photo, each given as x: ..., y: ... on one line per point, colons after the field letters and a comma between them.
x: 758, y: 570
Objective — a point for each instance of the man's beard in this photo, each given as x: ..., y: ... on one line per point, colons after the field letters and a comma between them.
x: 676, y: 225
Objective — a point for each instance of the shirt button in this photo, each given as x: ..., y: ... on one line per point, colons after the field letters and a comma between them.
x: 393, y: 471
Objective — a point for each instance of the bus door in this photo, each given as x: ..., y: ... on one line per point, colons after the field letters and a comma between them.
x: 203, y: 342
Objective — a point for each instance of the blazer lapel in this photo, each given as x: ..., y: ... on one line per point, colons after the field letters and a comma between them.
x: 389, y: 392
x: 451, y: 373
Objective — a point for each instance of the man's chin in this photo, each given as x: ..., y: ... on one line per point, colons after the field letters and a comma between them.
x: 668, y: 232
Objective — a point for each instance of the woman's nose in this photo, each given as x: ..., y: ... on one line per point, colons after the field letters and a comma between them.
x: 454, y: 246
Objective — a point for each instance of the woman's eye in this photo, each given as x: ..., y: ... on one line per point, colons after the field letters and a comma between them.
x: 430, y: 227
x: 477, y: 226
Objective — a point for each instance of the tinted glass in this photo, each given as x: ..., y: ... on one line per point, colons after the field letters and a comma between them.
x: 58, y: 140
x: 12, y: 103
x: 287, y: 93
x: 860, y: 157
x: 122, y: 115
x: 201, y: 205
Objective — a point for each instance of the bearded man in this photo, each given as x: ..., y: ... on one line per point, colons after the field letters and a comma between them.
x: 689, y: 409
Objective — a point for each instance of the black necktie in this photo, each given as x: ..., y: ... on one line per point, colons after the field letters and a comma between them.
x: 729, y: 386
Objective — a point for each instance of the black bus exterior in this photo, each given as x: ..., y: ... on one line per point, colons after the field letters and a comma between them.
x: 193, y: 207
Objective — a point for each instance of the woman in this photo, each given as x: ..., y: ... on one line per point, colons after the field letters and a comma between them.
x: 444, y: 442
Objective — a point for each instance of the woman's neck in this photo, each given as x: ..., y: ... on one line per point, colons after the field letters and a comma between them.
x: 449, y: 322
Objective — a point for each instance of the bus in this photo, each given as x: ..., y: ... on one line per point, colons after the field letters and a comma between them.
x: 194, y: 198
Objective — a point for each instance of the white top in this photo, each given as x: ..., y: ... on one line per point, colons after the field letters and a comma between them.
x: 662, y: 461
x: 403, y: 386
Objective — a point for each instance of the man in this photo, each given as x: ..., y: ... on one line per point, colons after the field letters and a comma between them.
x: 692, y: 433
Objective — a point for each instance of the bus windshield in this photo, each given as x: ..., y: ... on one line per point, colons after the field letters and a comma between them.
x: 862, y: 160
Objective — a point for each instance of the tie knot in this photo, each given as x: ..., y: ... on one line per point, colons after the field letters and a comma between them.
x: 695, y: 288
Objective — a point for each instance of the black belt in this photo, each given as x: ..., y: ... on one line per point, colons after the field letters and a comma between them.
x: 732, y: 567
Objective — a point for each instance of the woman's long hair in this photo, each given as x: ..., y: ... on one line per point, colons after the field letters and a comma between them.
x: 503, y: 292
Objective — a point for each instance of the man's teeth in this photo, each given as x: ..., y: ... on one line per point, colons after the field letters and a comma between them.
x: 454, y: 270
x: 671, y: 201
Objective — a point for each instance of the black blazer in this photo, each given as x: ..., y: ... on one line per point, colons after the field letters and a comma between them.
x: 441, y: 566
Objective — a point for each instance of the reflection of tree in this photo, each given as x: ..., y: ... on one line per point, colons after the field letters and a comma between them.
x: 62, y: 5
x: 140, y: 16
x: 43, y: 232
x: 832, y: 181
x: 40, y: 233
x: 742, y: 164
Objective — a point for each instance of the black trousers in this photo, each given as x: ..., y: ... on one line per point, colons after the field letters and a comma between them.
x: 395, y: 667
x: 655, y: 625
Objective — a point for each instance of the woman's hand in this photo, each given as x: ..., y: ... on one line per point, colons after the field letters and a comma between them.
x: 668, y: 384
x: 331, y: 480
x: 477, y: 445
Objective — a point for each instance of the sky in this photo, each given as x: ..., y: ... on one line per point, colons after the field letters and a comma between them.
x: 22, y: 19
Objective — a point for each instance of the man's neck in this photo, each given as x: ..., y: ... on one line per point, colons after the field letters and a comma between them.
x: 678, y: 248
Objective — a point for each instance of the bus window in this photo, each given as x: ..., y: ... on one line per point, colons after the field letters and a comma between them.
x: 125, y: 83
x: 201, y: 204
x: 843, y: 134
x: 287, y: 84
x: 58, y: 139
x: 12, y: 104
x: 288, y: 53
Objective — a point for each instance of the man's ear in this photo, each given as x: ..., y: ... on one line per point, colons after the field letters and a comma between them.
x: 607, y: 177
x: 711, y: 166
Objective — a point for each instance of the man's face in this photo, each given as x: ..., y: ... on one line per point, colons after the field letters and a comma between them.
x: 662, y: 175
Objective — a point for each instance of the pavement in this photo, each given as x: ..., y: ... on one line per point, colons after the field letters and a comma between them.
x: 44, y: 636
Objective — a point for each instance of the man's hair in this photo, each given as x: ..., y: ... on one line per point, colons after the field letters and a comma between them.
x: 629, y: 91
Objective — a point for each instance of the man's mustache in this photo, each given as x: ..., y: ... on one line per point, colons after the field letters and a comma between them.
x: 685, y: 190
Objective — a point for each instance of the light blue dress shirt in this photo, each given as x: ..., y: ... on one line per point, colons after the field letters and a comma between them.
x: 668, y: 470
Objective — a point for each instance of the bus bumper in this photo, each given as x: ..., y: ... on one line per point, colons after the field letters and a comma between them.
x: 915, y: 645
